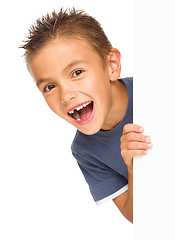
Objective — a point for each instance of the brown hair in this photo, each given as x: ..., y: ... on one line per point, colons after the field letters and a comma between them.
x: 68, y: 23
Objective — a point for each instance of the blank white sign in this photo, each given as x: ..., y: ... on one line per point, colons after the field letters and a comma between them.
x: 154, y: 100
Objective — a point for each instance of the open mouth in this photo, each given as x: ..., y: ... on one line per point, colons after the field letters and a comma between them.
x: 82, y: 112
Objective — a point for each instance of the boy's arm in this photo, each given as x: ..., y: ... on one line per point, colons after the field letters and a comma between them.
x: 133, y: 143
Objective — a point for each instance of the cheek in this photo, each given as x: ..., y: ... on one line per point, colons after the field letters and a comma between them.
x: 96, y: 84
x: 102, y: 89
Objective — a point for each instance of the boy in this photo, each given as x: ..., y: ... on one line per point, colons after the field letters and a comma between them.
x: 77, y: 70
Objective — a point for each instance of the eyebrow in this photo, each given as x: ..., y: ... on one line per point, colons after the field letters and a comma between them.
x: 69, y: 66
x: 75, y: 62
x: 40, y: 81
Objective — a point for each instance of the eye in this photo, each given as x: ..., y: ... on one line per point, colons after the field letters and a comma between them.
x: 49, y: 88
x: 76, y: 73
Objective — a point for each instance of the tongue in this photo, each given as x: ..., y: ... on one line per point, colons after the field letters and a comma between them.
x: 85, y: 112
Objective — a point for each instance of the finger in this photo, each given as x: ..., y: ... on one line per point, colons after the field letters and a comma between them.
x: 133, y: 153
x: 138, y: 146
x: 132, y: 128
x: 132, y: 136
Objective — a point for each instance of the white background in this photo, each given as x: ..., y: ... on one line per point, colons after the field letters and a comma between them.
x: 154, y: 99
x: 43, y: 194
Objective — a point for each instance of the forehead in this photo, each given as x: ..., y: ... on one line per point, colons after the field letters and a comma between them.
x: 62, y: 52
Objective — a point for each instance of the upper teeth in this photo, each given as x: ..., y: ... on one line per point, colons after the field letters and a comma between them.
x: 80, y: 107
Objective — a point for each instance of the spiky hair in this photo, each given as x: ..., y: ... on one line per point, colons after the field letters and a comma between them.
x: 68, y: 24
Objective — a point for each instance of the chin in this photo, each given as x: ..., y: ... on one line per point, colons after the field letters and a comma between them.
x: 90, y: 130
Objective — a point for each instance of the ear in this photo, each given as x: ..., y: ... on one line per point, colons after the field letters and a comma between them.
x: 114, y: 64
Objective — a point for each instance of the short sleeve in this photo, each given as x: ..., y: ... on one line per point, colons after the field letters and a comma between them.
x: 103, y: 181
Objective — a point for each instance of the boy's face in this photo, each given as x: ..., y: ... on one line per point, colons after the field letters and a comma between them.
x: 74, y: 83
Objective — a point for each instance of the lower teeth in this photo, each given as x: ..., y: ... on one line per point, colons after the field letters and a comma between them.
x: 76, y: 116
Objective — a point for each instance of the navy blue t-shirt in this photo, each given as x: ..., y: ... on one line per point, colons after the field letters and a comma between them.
x: 99, y: 156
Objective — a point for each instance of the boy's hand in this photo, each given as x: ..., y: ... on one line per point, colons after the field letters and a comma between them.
x: 134, y: 143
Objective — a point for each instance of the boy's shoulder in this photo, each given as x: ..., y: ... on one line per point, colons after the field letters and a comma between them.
x: 80, y: 141
x: 127, y: 80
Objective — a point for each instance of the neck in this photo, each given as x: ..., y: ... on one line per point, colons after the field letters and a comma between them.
x: 118, y: 107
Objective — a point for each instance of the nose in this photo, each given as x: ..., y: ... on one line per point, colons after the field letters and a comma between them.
x: 67, y: 94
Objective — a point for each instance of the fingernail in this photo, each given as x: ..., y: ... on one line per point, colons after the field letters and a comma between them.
x: 141, y: 129
x: 149, y: 145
